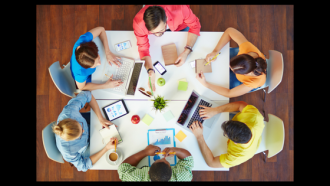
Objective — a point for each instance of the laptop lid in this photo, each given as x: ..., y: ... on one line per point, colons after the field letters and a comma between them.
x: 187, y: 109
x: 134, y: 77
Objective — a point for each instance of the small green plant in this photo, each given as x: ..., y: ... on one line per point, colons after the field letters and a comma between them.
x: 159, y: 103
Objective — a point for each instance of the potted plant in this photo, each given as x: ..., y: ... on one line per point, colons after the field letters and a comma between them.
x: 159, y: 104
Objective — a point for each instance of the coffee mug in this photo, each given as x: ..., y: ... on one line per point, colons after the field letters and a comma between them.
x: 113, y: 156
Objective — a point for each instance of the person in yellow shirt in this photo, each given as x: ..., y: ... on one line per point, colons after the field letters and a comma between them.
x: 243, y: 130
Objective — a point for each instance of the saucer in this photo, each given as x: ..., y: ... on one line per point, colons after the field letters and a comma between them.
x: 119, y: 160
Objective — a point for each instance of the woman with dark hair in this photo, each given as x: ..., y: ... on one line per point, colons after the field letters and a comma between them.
x: 247, y: 69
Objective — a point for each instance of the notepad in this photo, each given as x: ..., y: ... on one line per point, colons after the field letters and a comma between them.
x: 183, y: 79
x: 180, y: 136
x: 183, y: 85
x: 147, y: 119
x: 170, y: 54
x: 109, y: 133
x: 199, y: 66
x: 168, y: 116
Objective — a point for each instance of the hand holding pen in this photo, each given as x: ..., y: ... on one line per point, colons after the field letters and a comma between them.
x: 211, y: 57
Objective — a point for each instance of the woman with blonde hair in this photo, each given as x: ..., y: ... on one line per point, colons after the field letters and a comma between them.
x: 72, y: 132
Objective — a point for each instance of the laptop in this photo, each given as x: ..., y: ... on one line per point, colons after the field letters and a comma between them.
x: 190, y: 113
x: 129, y: 73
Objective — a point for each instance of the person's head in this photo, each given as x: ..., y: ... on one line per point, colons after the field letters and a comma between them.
x: 244, y: 64
x: 155, y: 20
x: 68, y: 129
x: 236, y: 131
x: 87, y: 55
x: 160, y: 170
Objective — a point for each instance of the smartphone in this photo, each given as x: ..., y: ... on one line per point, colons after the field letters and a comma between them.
x: 160, y: 68
x: 123, y: 45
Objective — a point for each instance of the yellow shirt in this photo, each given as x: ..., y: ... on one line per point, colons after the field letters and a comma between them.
x: 240, y: 153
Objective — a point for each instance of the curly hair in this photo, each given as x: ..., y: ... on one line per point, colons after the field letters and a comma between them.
x: 160, y: 171
x: 86, y: 54
x: 237, y: 131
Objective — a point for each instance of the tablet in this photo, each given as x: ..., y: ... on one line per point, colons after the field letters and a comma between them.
x: 115, y: 110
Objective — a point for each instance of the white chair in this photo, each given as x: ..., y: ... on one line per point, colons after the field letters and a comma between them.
x: 275, y: 68
x: 272, y: 138
x: 63, y: 79
x: 48, y: 139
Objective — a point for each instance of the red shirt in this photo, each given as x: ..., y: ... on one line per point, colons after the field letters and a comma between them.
x: 178, y: 18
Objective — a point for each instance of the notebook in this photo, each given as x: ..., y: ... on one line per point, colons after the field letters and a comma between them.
x: 199, y: 66
x: 107, y: 134
x: 169, y: 53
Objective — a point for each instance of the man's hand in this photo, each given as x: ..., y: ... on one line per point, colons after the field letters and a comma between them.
x: 111, y: 58
x: 111, y: 143
x: 167, y: 150
x: 207, y: 112
x: 197, y: 129
x: 112, y: 83
x: 152, y: 76
x: 151, y: 150
x: 181, y: 58
x: 201, y: 78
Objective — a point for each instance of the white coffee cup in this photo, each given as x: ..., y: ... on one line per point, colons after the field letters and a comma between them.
x: 112, y: 157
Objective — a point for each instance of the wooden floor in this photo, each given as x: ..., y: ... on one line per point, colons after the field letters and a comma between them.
x: 268, y: 27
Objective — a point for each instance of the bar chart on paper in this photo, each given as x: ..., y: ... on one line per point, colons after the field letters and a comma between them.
x: 164, y: 141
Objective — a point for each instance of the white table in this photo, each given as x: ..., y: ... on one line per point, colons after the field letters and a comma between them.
x: 135, y: 135
x: 205, y: 43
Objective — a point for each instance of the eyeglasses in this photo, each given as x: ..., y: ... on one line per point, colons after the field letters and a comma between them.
x: 144, y: 92
x: 161, y: 33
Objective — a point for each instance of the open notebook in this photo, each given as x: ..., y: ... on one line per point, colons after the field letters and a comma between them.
x: 107, y: 134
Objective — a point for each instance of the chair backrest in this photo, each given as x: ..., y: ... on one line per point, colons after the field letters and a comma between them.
x: 275, y: 68
x: 48, y: 139
x: 63, y: 79
x: 272, y: 138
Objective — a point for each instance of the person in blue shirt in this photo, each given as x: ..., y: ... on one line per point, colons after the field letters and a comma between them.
x: 72, y: 132
x: 85, y: 59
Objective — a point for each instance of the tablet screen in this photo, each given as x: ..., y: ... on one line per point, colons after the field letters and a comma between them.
x: 115, y: 110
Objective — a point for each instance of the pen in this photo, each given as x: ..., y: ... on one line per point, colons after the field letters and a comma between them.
x: 108, y: 77
x: 115, y: 145
x: 151, y: 87
x: 164, y: 153
x: 212, y: 59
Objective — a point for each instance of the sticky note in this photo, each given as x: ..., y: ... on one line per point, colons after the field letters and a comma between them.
x: 184, y: 79
x: 168, y: 116
x: 147, y: 119
x: 180, y: 136
x: 183, y: 85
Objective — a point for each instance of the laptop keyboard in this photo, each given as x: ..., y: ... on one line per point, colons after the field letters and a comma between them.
x: 122, y: 74
x: 195, y: 116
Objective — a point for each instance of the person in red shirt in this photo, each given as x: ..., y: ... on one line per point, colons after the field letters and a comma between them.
x: 158, y: 19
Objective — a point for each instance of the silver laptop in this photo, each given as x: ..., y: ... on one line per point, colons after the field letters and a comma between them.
x: 129, y: 73
x: 190, y: 113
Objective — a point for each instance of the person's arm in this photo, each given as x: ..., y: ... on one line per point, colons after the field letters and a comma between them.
x: 191, y: 40
x: 234, y: 92
x: 100, y: 32
x: 137, y: 157
x: 208, y: 112
x: 104, y: 122
x: 230, y: 33
x: 180, y: 152
x: 151, y: 74
x: 93, y: 86
x: 211, y: 161
x: 110, y: 145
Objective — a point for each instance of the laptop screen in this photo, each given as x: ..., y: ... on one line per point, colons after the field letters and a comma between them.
x: 134, y: 79
x: 186, y: 110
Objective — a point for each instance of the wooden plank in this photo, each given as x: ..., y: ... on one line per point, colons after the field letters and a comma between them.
x: 80, y: 22
x: 55, y: 26
x: 291, y: 167
x: 68, y: 19
x: 92, y: 16
x: 42, y: 121
x: 43, y: 45
x: 289, y: 26
x: 243, y: 20
x: 105, y: 16
x: 203, y: 176
x: 117, y: 12
x: 290, y: 80
x: 130, y: 12
x: 221, y: 175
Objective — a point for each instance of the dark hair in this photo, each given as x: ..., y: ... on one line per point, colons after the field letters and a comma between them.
x: 237, y: 131
x: 244, y: 63
x: 86, y: 54
x: 152, y: 17
x: 160, y: 171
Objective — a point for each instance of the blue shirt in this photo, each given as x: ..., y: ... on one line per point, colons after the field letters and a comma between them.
x: 79, y: 73
x: 75, y: 151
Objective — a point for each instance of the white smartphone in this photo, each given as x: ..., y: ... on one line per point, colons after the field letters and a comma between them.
x: 123, y: 45
x: 160, y: 68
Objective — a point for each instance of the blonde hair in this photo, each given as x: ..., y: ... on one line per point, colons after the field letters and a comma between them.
x: 67, y: 129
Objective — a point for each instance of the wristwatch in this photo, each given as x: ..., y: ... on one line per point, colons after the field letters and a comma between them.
x: 150, y: 69
x: 189, y: 47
